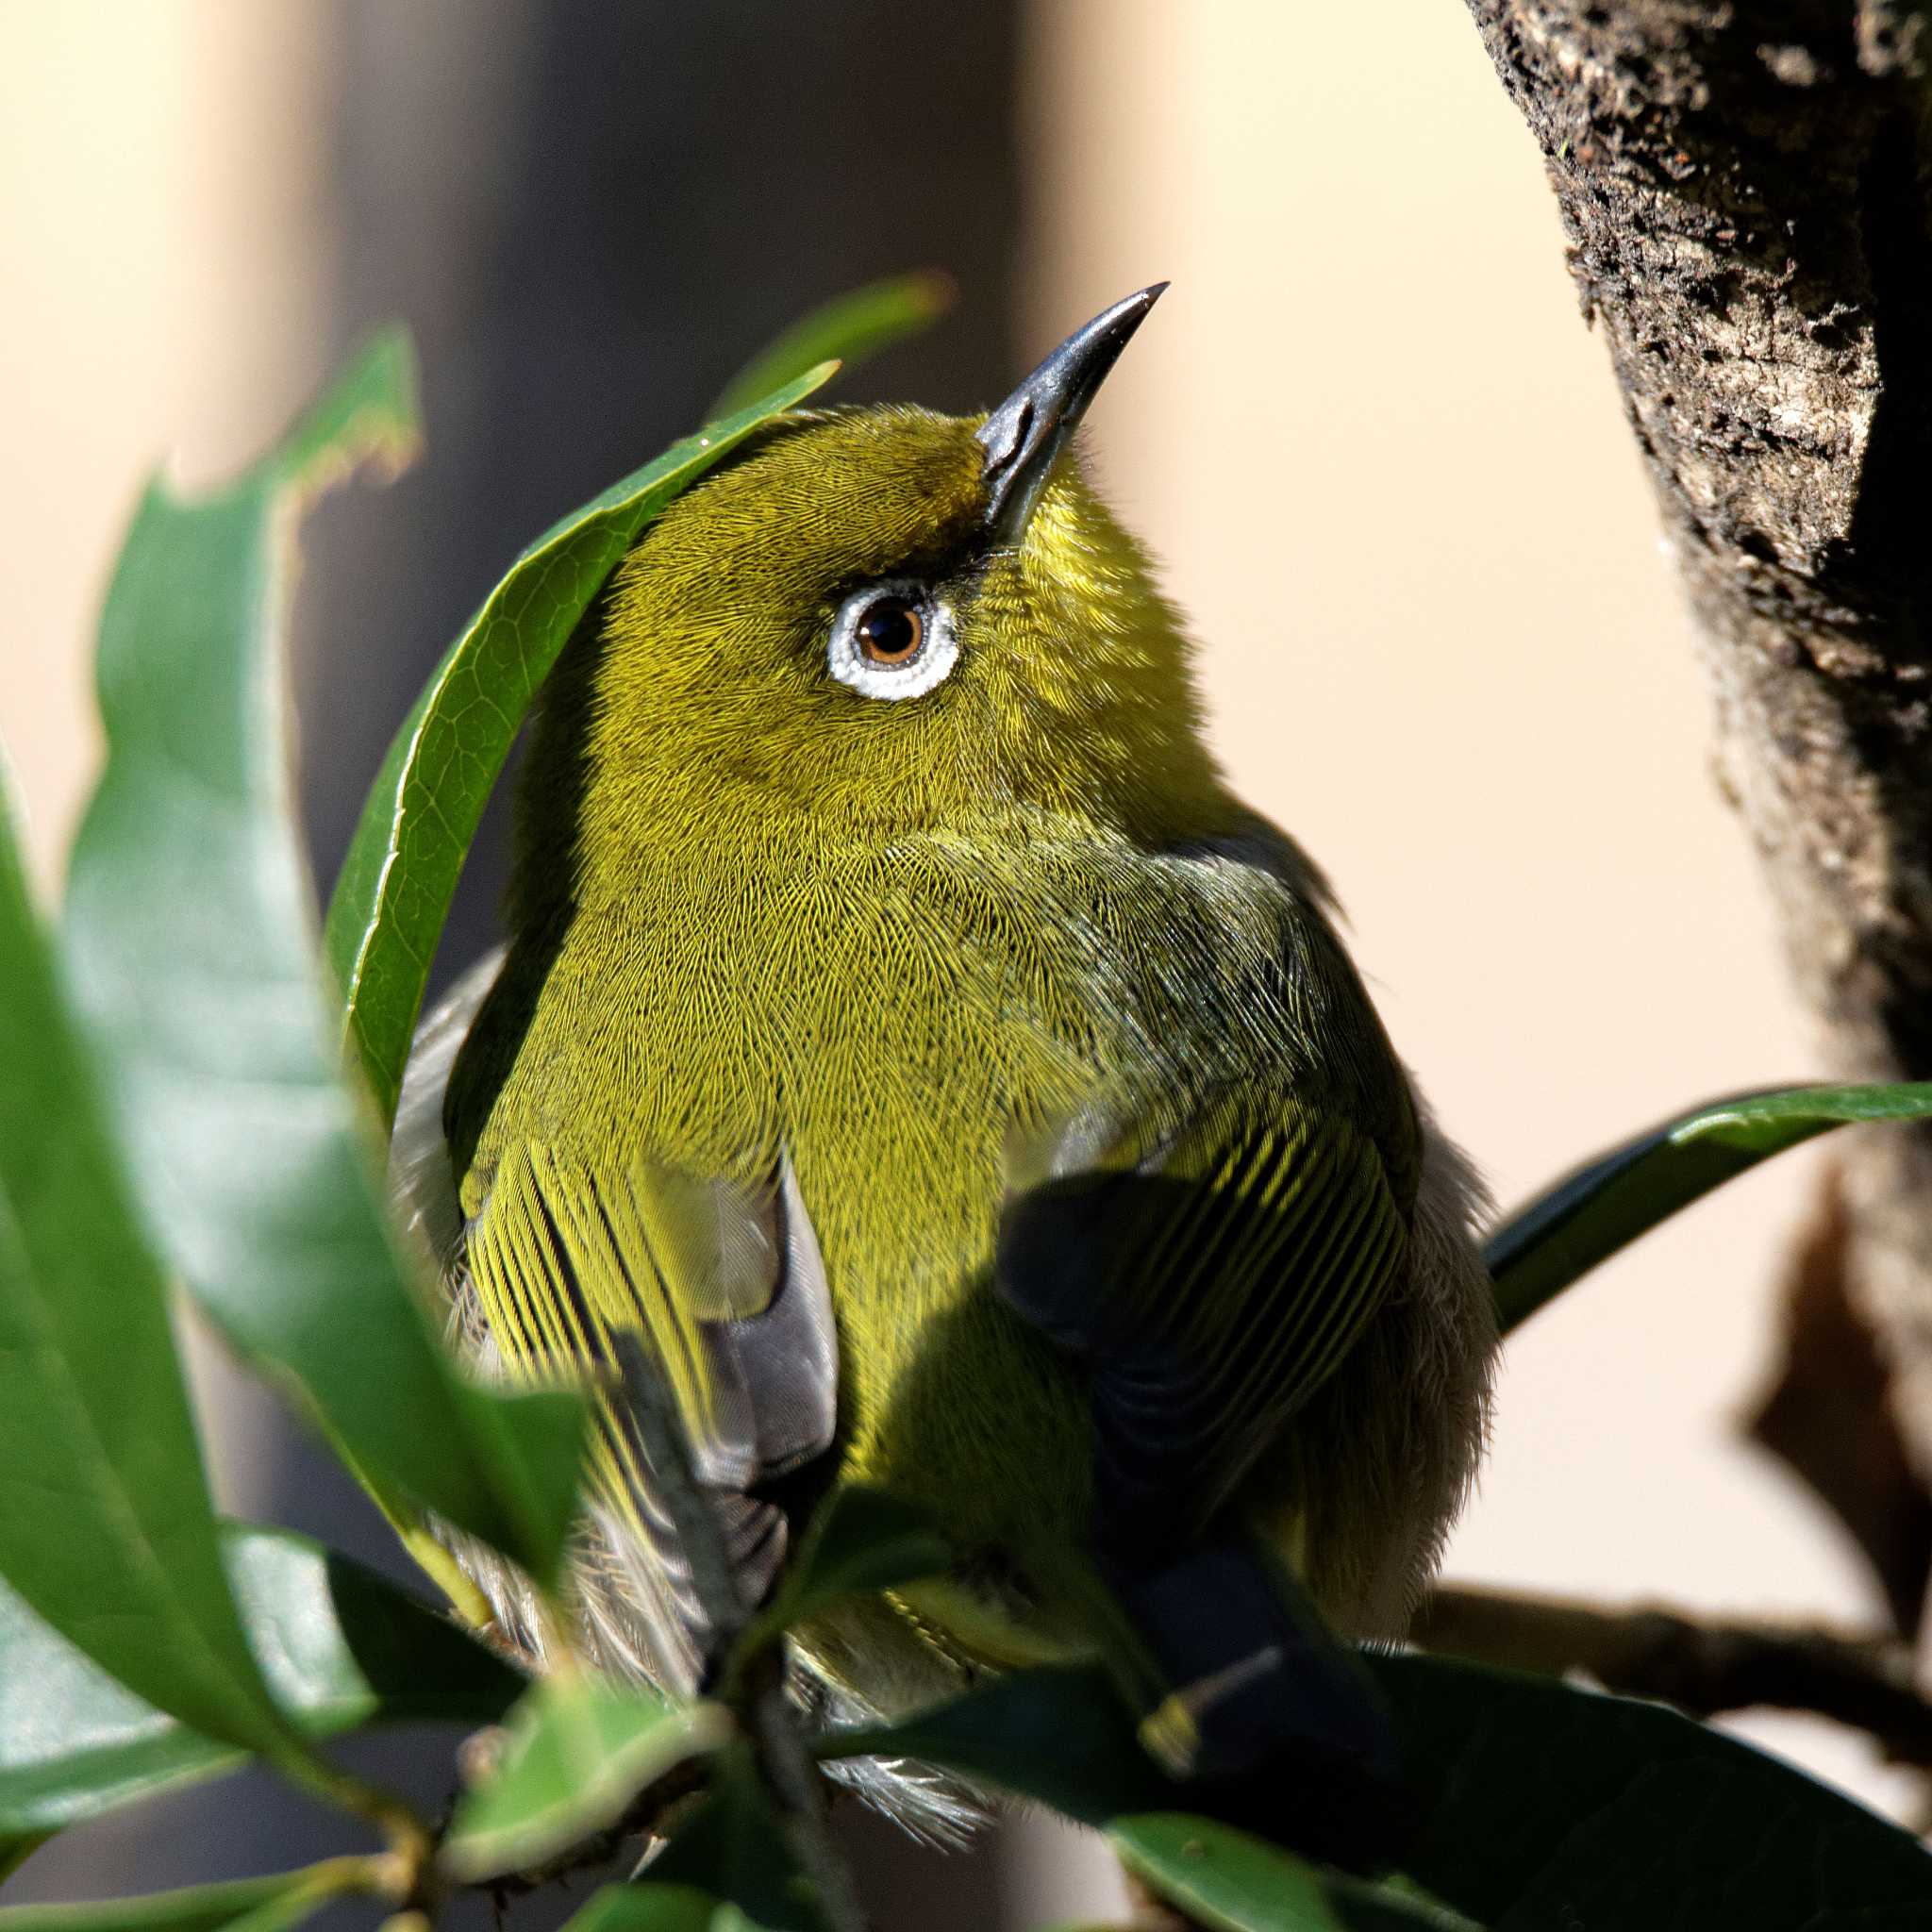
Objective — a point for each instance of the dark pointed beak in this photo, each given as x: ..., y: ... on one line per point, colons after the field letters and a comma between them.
x: 1027, y: 432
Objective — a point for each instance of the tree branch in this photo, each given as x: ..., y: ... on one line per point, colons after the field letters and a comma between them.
x: 1857, y: 1678
x: 1744, y: 192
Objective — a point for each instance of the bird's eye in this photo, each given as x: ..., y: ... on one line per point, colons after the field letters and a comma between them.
x: 893, y: 640
x: 889, y: 630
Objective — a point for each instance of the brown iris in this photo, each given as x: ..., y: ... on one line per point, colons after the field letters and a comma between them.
x: 891, y: 630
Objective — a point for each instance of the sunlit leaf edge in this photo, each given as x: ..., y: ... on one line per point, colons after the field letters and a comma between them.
x: 364, y: 936
x: 1606, y: 1202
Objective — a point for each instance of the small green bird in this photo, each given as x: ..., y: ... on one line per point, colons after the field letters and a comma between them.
x: 911, y: 1057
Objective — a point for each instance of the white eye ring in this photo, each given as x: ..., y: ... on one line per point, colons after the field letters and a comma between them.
x: 927, y: 666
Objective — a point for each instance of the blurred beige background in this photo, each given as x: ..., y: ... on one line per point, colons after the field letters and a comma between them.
x: 1388, y: 471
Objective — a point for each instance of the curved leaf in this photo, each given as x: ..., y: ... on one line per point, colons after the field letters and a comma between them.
x: 733, y: 1847
x: 650, y: 1907
x: 850, y: 327
x: 1605, y: 1204
x: 105, y: 1524
x: 1548, y: 1806
x: 390, y: 904
x: 190, y: 924
x: 579, y: 1750
x: 1234, y: 1882
x: 1061, y: 1734
x: 1536, y: 1805
x: 243, y: 1905
x: 340, y: 1646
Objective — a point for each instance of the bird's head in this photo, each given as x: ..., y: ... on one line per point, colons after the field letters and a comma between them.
x: 875, y: 620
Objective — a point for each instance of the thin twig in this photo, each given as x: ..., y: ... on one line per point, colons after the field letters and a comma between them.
x: 1863, y: 1679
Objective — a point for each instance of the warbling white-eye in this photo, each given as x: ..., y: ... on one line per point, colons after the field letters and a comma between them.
x: 910, y: 1055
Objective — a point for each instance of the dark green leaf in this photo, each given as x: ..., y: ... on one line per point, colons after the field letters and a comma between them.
x: 733, y: 1848
x: 395, y: 892
x: 242, y: 1904
x: 860, y: 1541
x: 341, y: 1649
x: 1234, y: 1882
x: 848, y: 330
x: 1536, y: 1800
x: 1062, y: 1736
x: 649, y: 1907
x: 106, y: 1525
x: 191, y: 928
x: 1589, y: 1215
x: 579, y: 1750
x: 1546, y: 1807
x: 15, y: 1852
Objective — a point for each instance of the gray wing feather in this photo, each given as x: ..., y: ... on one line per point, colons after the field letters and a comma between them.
x: 421, y: 1182
x: 747, y: 1256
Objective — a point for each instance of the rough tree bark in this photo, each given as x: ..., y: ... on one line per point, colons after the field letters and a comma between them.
x: 1744, y: 188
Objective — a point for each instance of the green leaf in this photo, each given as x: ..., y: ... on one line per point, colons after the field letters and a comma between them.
x: 242, y: 1904
x: 1586, y: 1217
x: 1234, y: 1882
x: 105, y: 1525
x: 733, y: 1847
x: 860, y: 1541
x: 1545, y: 1806
x: 849, y: 328
x: 1061, y: 1734
x: 15, y: 1852
x: 397, y: 881
x: 190, y: 924
x: 579, y: 1750
x: 651, y: 1907
x: 1539, y: 1805
x: 340, y: 1648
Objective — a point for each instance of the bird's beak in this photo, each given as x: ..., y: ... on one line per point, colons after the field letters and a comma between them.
x: 1026, y: 433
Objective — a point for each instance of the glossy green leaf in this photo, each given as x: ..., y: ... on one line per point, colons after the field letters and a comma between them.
x: 579, y: 1750
x: 651, y: 1907
x: 849, y: 329
x: 861, y: 1541
x: 241, y: 1904
x: 1231, y: 1881
x: 400, y: 875
x: 1539, y: 1805
x: 733, y: 1848
x: 1060, y: 1735
x: 1545, y: 1806
x: 105, y: 1524
x: 190, y: 928
x: 340, y: 1646
x: 1586, y: 1217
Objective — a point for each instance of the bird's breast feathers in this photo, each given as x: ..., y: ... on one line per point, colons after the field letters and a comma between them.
x: 899, y: 1018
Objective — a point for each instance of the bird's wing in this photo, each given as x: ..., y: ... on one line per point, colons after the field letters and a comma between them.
x: 701, y: 1305
x: 691, y: 1297
x: 1213, y: 1260
x: 1211, y: 1279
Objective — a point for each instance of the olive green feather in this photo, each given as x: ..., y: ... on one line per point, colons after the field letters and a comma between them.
x: 995, y: 1032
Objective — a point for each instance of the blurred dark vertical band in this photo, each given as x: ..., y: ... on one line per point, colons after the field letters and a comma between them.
x: 590, y: 213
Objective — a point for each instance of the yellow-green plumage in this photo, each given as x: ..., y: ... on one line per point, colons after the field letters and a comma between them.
x: 923, y: 956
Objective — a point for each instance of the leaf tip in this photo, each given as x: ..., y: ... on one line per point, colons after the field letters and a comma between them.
x: 933, y: 292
